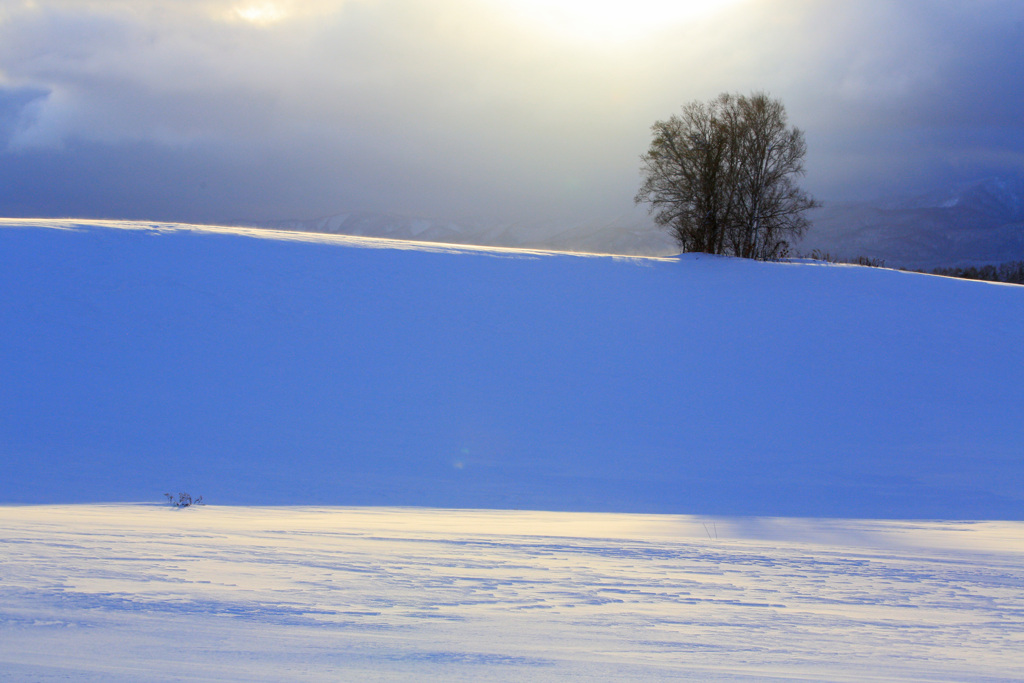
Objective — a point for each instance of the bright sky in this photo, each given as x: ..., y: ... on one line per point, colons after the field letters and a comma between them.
x: 262, y: 109
x: 610, y: 23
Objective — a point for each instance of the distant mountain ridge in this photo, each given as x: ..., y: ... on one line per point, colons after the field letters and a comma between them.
x: 976, y: 223
x: 998, y: 198
x: 973, y: 224
x: 608, y: 236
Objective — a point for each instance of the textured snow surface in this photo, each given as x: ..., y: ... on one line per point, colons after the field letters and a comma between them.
x: 140, y: 592
x: 258, y: 368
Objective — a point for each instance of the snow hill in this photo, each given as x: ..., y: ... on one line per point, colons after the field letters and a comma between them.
x: 261, y: 367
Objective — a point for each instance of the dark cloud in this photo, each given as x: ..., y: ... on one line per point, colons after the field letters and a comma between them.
x: 18, y: 107
x: 231, y: 110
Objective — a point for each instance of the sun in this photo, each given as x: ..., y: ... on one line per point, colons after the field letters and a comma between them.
x: 612, y: 20
x: 260, y: 13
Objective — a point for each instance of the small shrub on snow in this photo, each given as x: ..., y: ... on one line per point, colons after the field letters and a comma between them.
x: 869, y: 261
x: 183, y: 500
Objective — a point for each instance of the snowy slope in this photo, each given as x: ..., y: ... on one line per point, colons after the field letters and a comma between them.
x: 143, y: 593
x: 287, y: 368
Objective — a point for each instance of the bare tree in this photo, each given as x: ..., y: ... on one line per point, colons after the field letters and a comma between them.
x: 720, y: 177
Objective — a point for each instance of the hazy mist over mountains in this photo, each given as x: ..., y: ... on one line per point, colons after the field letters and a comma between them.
x: 974, y: 223
x: 632, y: 236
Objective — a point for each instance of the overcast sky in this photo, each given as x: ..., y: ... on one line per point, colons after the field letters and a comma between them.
x: 225, y: 110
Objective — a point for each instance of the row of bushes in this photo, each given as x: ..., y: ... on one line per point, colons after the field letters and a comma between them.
x: 1011, y: 271
x: 818, y: 255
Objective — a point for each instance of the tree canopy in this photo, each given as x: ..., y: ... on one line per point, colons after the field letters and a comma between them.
x: 720, y: 177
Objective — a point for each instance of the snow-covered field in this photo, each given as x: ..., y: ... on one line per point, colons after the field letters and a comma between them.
x: 260, y: 368
x: 140, y: 592
x: 427, y: 398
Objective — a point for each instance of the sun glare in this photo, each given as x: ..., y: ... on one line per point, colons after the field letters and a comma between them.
x: 612, y: 20
x: 262, y: 13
